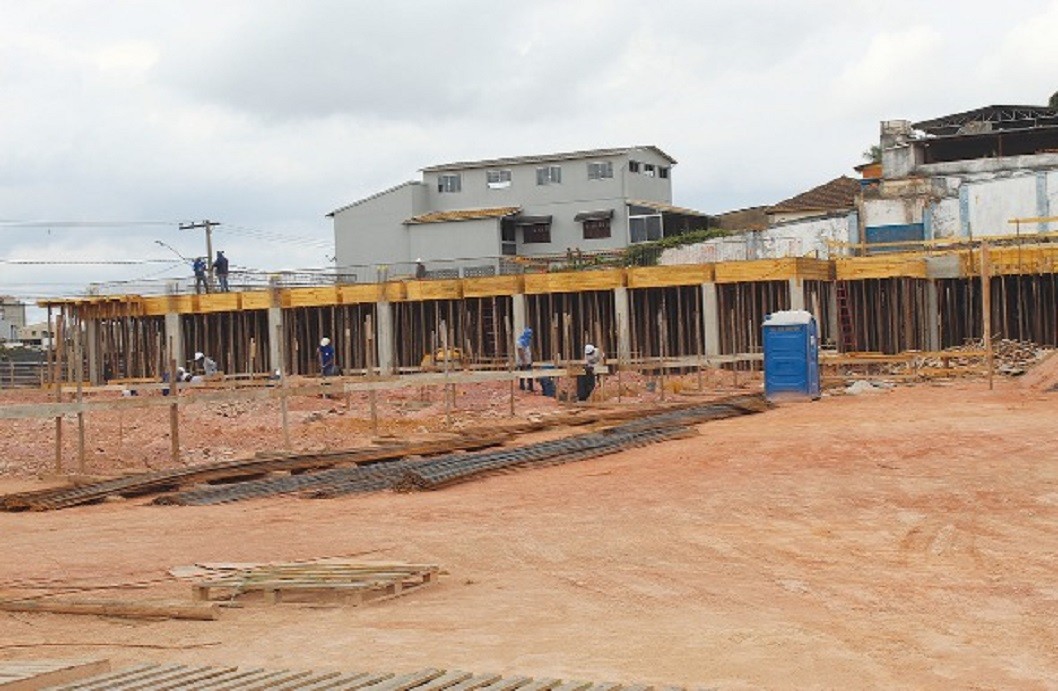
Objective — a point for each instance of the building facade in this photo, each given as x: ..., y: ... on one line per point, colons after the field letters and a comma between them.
x: 477, y: 217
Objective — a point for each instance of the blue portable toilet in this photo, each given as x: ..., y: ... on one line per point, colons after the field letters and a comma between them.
x: 791, y: 355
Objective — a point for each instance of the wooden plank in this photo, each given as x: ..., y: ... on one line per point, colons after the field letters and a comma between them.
x: 883, y: 266
x: 445, y: 681
x: 255, y: 299
x: 756, y: 270
x: 215, y: 302
x: 40, y: 674
x: 310, y: 297
x: 488, y: 286
x: 333, y: 682
x: 665, y: 276
x: 434, y: 289
x: 507, y: 684
x: 116, y: 608
x: 573, y: 281
x: 407, y: 681
x: 359, y: 293
x: 475, y: 682
x: 393, y: 291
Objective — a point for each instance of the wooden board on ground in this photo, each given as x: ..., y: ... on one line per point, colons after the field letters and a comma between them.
x: 170, y: 676
x: 32, y: 675
x: 348, y: 582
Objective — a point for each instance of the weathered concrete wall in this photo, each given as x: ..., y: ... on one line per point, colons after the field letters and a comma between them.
x: 993, y: 203
x: 809, y: 237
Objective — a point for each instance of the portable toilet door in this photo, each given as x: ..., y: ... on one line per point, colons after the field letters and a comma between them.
x: 791, y: 355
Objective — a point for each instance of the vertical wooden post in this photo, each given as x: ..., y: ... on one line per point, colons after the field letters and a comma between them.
x: 79, y: 354
x: 283, y: 413
x: 511, y: 356
x: 174, y: 408
x: 444, y: 352
x: 369, y: 347
x: 56, y: 337
x: 986, y: 311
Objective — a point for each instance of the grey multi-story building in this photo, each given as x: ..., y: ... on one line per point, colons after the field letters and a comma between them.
x: 477, y: 214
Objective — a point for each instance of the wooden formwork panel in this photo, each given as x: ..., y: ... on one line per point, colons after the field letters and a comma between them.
x: 574, y: 281
x: 255, y: 299
x: 310, y: 297
x: 884, y: 266
x: 489, y: 286
x: 812, y: 269
x: 668, y: 276
x: 435, y: 289
x: 359, y: 293
x: 393, y: 291
x: 155, y: 306
x: 1012, y: 260
x: 215, y: 302
x: 757, y: 270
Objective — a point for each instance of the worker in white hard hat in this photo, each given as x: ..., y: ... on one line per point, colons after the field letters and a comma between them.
x: 326, y: 356
x: 208, y: 365
x: 420, y: 269
x: 586, y: 381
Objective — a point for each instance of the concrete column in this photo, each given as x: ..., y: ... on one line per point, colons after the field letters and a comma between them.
x: 833, y: 325
x: 275, y: 332
x: 797, y: 294
x: 932, y: 317
x: 384, y: 336
x: 174, y: 333
x: 95, y: 372
x: 710, y: 319
x: 519, y: 312
x: 624, y: 333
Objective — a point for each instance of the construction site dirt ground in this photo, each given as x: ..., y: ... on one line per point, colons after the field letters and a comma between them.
x: 906, y: 538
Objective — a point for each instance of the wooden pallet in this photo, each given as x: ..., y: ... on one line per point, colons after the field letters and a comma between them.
x: 349, y: 582
x: 184, y: 678
x: 32, y: 675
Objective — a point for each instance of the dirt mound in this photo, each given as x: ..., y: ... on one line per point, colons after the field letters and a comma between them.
x: 1044, y: 375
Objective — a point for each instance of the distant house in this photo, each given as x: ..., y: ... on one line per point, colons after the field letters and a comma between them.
x: 964, y: 175
x: 35, y: 335
x: 807, y: 224
x: 478, y: 216
x: 12, y: 317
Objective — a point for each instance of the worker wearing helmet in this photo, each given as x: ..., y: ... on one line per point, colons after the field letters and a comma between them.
x: 326, y: 354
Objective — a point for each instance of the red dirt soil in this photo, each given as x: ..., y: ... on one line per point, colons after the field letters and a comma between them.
x: 907, y: 538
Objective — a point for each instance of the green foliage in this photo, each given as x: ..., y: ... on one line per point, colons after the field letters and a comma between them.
x: 1053, y: 103
x: 873, y: 154
x: 647, y: 253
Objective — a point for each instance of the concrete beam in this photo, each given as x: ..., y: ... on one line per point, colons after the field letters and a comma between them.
x: 932, y: 317
x: 518, y: 314
x: 95, y: 372
x: 384, y: 336
x: 624, y: 333
x: 174, y: 337
x: 275, y: 333
x: 710, y: 319
x: 797, y: 293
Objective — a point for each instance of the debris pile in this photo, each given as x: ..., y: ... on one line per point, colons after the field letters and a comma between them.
x: 1011, y: 357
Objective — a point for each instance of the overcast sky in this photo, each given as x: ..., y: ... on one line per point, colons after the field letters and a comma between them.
x: 266, y: 115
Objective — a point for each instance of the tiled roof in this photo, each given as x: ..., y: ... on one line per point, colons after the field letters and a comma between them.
x: 668, y: 208
x: 839, y: 193
x: 545, y: 158
x: 376, y: 195
x: 463, y: 215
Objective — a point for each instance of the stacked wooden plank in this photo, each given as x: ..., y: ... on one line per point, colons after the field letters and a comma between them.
x: 181, y: 677
x: 352, y: 582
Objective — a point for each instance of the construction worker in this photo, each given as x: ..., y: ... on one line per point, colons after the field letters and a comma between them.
x: 220, y: 267
x: 208, y: 365
x: 524, y: 357
x: 326, y: 355
x: 201, y: 281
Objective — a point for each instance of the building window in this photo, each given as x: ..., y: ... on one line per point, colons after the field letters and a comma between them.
x: 596, y: 229
x: 498, y: 179
x: 663, y: 171
x: 508, y: 239
x: 645, y: 228
x: 450, y: 183
x: 599, y: 170
x: 648, y: 169
x: 633, y: 166
x: 549, y: 175
x: 536, y: 233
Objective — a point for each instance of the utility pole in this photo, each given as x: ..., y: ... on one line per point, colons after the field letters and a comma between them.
x: 208, y: 226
